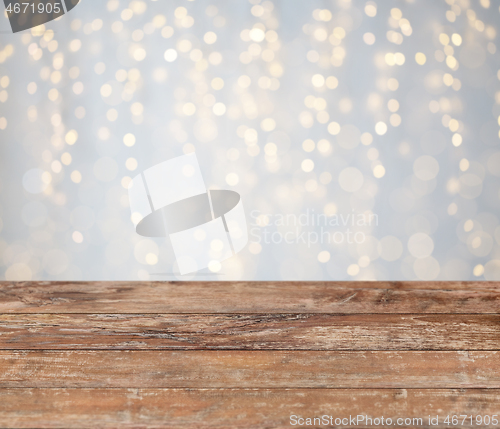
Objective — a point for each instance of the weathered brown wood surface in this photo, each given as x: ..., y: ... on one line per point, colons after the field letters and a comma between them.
x: 246, y: 354
x: 245, y: 369
x: 230, y: 408
x: 250, y: 297
x: 250, y: 331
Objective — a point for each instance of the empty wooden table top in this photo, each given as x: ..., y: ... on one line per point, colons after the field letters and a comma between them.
x: 249, y: 354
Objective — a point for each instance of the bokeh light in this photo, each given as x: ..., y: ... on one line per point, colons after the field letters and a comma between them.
x: 352, y: 117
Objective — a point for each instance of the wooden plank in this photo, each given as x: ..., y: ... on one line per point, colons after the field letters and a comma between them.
x: 234, y: 408
x: 250, y: 297
x: 250, y: 331
x: 249, y: 369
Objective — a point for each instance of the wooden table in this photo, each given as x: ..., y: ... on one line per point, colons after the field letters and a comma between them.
x: 247, y: 354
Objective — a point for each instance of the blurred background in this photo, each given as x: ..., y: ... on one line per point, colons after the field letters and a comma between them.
x: 363, y: 137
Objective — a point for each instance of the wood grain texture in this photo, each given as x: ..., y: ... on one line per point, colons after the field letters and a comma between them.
x: 250, y: 297
x: 230, y: 408
x: 249, y: 369
x: 249, y: 332
x: 245, y: 354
